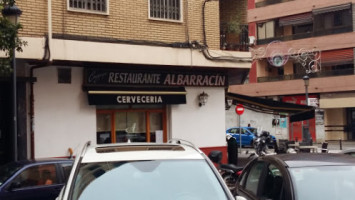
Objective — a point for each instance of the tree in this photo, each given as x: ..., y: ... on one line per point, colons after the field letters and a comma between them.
x: 9, y: 39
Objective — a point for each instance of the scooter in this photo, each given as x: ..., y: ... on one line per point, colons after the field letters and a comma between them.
x: 260, y: 144
x: 229, y: 172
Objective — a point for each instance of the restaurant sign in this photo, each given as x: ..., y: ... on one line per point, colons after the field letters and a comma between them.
x: 162, y: 78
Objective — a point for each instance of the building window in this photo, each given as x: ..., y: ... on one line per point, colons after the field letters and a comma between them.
x: 97, y: 6
x: 131, y: 125
x: 333, y: 20
x: 165, y: 9
x: 266, y: 30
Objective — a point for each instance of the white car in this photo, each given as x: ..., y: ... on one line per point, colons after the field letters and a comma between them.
x: 176, y: 171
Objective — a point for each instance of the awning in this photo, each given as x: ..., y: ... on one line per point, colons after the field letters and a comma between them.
x: 296, y: 112
x: 337, y: 57
x: 331, y: 9
x: 140, y: 95
x: 296, y: 19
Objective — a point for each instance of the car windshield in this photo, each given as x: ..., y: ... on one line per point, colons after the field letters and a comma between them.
x: 163, y: 179
x: 326, y: 182
x: 7, y: 170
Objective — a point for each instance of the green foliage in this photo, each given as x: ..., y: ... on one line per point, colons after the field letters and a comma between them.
x: 9, y: 39
x: 234, y: 24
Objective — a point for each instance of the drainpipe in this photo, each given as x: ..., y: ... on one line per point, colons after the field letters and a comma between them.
x: 50, y: 28
x: 46, y: 61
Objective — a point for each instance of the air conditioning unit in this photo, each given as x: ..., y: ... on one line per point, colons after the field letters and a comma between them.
x: 251, y: 40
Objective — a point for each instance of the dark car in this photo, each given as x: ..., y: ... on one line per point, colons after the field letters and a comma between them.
x: 34, y: 179
x: 298, y: 177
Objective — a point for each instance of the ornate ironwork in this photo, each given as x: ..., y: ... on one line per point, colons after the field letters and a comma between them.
x: 277, y: 54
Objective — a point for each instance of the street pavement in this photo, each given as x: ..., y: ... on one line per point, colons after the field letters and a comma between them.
x: 334, y: 146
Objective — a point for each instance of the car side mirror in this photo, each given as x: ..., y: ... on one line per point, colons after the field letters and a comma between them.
x: 240, y: 198
x: 215, y: 156
x: 14, y: 185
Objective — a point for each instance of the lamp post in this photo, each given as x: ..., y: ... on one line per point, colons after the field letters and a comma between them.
x: 12, y: 12
x: 306, y: 129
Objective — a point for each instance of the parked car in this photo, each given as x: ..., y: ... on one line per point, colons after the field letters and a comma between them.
x: 248, y: 135
x: 34, y: 179
x: 176, y: 171
x: 350, y: 152
x: 324, y: 176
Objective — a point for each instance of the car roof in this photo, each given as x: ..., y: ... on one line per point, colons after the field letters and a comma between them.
x: 140, y: 151
x: 312, y: 159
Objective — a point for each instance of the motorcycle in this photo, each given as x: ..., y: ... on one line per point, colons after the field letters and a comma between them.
x: 260, y: 144
x: 229, y: 172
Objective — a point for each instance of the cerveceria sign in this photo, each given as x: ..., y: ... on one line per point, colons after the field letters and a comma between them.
x: 116, y: 77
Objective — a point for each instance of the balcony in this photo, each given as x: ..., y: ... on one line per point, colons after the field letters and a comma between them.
x: 269, y: 2
x: 320, y: 74
x: 234, y: 41
x: 332, y: 31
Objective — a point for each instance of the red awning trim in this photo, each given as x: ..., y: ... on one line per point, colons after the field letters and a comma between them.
x: 337, y: 56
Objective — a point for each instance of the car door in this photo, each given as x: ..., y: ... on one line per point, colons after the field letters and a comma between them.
x: 263, y: 181
x: 249, y: 181
x: 35, y: 182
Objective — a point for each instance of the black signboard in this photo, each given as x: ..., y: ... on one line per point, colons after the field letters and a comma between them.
x: 112, y: 99
x: 116, y: 77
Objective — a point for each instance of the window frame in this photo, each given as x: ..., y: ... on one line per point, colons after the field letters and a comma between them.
x: 89, y: 11
x: 146, y: 112
x: 168, y: 20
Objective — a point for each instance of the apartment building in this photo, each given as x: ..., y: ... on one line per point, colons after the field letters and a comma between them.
x: 120, y: 71
x: 296, y: 39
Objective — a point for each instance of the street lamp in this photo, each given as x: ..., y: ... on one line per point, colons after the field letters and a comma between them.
x: 12, y: 12
x: 306, y: 129
x: 306, y: 84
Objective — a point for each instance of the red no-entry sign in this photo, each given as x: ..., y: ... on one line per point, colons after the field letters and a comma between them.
x: 239, y: 109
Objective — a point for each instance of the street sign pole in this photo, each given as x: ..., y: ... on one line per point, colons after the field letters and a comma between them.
x: 240, y: 134
x: 239, y: 109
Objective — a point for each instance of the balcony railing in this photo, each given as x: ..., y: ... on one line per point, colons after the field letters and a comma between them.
x: 320, y: 74
x: 269, y: 2
x: 239, y: 42
x: 336, y: 30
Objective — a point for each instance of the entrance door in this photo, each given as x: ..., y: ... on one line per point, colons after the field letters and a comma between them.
x: 114, y: 126
x: 6, y: 122
x: 351, y: 123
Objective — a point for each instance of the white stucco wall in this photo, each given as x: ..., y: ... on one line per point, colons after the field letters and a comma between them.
x: 257, y: 120
x: 63, y: 118
x: 204, y: 126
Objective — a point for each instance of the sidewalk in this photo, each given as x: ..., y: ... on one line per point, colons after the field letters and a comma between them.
x: 334, y: 146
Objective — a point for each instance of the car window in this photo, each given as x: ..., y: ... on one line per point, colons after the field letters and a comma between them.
x: 66, y: 169
x: 272, y: 188
x: 234, y: 130
x: 36, y: 176
x: 244, y: 131
x: 253, y: 130
x: 173, y: 179
x: 253, y: 178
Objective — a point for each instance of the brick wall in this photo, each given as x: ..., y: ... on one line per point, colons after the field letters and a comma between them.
x: 233, y: 7
x: 127, y: 20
